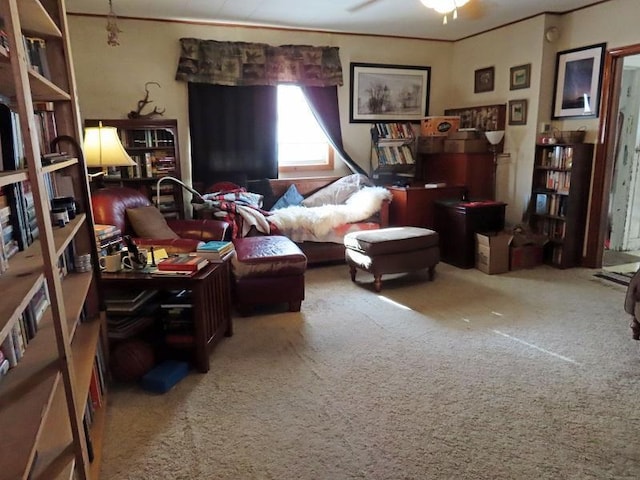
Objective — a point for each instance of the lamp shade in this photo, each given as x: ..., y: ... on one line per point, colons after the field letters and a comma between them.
x: 102, y: 148
x: 495, y: 136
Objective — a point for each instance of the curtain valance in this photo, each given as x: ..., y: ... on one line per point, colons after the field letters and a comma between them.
x: 244, y: 64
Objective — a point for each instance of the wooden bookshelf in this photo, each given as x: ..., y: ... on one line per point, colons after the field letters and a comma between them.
x: 153, y: 145
x: 50, y: 318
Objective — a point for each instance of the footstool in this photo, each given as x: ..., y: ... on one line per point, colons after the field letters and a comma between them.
x: 392, y: 250
x: 267, y: 270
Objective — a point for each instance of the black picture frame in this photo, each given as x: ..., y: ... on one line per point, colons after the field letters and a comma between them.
x: 578, y: 81
x: 388, y: 93
x: 520, y: 77
x: 518, y: 112
x: 484, y: 80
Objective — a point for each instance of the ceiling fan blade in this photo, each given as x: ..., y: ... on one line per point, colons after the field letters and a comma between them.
x: 361, y: 5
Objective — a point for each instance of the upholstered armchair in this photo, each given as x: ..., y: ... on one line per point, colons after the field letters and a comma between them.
x: 135, y: 215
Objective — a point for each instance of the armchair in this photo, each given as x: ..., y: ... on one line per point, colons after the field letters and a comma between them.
x: 110, y: 206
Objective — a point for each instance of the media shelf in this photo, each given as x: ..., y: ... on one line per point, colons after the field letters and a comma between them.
x: 559, y: 200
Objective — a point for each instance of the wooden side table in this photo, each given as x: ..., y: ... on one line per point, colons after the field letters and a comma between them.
x: 211, y: 295
x: 457, y: 223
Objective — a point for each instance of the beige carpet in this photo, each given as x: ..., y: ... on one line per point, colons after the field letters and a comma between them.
x: 527, y: 375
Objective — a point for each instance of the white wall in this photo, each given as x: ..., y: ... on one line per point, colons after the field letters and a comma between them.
x: 111, y: 79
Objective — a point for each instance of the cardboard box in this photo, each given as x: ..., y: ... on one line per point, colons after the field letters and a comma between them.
x: 438, y: 126
x: 431, y: 144
x: 525, y: 256
x: 479, y: 145
x: 467, y: 134
x: 492, y: 252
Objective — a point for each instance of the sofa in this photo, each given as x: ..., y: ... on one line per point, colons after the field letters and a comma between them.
x: 328, y: 193
x: 133, y: 213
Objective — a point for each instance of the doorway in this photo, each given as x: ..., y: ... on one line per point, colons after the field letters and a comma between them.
x: 614, y: 216
x: 622, y: 243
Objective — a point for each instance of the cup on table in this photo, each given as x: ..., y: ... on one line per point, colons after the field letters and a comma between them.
x: 135, y: 261
x: 111, y: 263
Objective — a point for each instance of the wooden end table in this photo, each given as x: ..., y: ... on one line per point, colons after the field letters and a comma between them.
x: 211, y: 296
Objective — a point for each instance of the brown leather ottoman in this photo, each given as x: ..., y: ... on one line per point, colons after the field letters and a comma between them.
x: 392, y: 250
x: 267, y: 270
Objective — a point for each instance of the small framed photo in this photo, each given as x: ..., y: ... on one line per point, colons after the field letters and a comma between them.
x: 484, y: 80
x: 578, y: 79
x: 517, y: 112
x: 520, y: 77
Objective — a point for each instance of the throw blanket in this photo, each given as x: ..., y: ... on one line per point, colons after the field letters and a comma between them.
x: 321, y: 220
x: 240, y: 208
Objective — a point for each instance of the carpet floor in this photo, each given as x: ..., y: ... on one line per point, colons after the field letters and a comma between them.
x: 527, y: 375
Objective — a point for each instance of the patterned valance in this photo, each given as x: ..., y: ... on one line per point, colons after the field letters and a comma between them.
x: 242, y: 64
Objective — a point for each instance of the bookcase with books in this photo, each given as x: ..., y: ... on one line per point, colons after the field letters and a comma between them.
x: 392, y: 151
x: 559, y: 199
x: 52, y: 361
x: 153, y: 145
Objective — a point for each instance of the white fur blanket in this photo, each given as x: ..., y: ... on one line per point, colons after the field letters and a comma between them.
x: 321, y: 220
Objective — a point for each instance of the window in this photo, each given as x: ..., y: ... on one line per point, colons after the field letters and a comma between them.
x: 302, y: 145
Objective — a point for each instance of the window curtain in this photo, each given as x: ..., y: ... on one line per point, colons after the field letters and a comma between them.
x: 233, y: 133
x: 323, y: 102
x: 232, y: 102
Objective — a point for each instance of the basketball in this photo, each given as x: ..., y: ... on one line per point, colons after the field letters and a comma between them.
x: 131, y: 359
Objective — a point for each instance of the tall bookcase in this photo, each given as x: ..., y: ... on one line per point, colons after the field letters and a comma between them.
x: 52, y: 399
x: 393, y: 151
x: 153, y: 145
x: 559, y: 199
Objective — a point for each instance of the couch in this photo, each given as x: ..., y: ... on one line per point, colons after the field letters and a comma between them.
x: 328, y: 248
x: 132, y: 212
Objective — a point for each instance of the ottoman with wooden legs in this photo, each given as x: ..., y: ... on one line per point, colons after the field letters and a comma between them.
x: 392, y: 250
x: 267, y: 270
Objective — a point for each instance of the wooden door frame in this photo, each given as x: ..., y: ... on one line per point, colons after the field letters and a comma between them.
x: 604, y: 161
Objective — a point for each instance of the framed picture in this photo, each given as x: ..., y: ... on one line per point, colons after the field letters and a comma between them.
x: 484, y: 79
x: 517, y: 112
x: 388, y: 93
x: 520, y: 77
x: 578, y: 78
x: 485, y: 117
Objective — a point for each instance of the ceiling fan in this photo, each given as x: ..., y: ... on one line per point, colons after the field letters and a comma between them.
x: 472, y: 9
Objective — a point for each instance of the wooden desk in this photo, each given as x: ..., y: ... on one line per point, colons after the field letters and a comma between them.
x: 414, y: 206
x: 211, y: 296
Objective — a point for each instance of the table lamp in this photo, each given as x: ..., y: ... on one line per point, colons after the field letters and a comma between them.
x: 494, y: 137
x: 102, y: 148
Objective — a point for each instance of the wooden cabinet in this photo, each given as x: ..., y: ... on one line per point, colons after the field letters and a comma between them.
x: 473, y: 170
x: 52, y: 398
x: 414, y: 206
x: 392, y: 151
x: 559, y: 199
x: 457, y: 223
x: 153, y: 145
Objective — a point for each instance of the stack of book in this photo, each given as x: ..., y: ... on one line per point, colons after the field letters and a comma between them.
x: 181, y: 265
x: 216, y: 251
x: 129, y: 312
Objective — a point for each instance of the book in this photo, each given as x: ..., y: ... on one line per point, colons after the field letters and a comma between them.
x: 215, y: 250
x: 182, y: 263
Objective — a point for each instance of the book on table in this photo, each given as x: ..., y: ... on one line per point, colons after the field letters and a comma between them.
x: 182, y: 263
x: 219, y: 247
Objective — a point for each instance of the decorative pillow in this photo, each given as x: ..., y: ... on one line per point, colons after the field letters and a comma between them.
x: 148, y: 222
x: 337, y: 192
x: 290, y: 198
